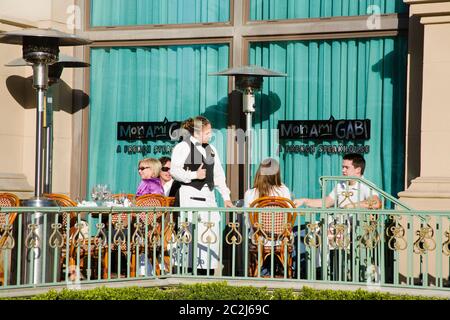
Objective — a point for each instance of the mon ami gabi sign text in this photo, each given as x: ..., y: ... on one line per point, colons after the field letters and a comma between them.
x: 324, y: 129
x: 148, y: 131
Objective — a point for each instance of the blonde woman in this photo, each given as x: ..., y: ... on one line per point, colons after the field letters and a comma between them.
x: 149, y: 169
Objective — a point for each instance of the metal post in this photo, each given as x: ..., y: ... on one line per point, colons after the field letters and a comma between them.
x: 248, y: 105
x: 48, y: 145
x: 34, y: 256
x: 40, y: 72
x: 248, y: 118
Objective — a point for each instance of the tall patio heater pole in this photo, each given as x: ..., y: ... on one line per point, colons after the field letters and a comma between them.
x: 248, y: 80
x: 54, y: 75
x: 40, y: 47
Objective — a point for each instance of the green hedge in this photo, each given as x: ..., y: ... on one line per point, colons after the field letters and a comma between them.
x: 216, y: 291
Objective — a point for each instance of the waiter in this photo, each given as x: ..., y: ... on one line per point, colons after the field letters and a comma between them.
x: 196, y: 165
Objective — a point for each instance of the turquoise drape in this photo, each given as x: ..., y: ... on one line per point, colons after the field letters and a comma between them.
x: 142, y: 12
x: 297, y: 9
x: 149, y: 84
x: 346, y: 79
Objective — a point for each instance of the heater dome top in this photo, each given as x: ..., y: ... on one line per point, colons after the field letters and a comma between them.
x: 251, y: 70
x: 63, y: 60
x: 62, y: 38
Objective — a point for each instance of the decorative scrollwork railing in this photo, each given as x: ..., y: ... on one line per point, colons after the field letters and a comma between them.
x: 6, y: 233
x: 230, y: 238
x: 259, y: 237
x: 208, y: 238
x: 312, y: 238
x: 425, y: 242
x: 184, y: 235
x: 396, y: 234
x: 56, y: 239
x: 371, y: 237
x: 32, y: 239
x: 286, y: 237
x: 339, y: 237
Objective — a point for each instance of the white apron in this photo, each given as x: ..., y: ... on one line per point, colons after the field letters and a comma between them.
x: 192, y: 197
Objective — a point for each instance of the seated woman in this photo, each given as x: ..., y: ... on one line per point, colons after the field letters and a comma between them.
x: 149, y: 169
x: 267, y: 182
x: 170, y: 185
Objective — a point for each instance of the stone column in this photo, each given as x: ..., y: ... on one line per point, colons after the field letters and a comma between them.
x: 428, y: 124
x: 428, y: 133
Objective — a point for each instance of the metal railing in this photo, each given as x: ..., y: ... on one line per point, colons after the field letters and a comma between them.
x: 392, y: 202
x: 386, y: 247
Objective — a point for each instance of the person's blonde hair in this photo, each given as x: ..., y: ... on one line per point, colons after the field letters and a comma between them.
x: 153, y: 163
x: 195, y: 124
x: 267, y: 177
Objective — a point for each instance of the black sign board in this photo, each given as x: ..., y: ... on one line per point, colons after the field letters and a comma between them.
x: 145, y: 131
x: 324, y: 129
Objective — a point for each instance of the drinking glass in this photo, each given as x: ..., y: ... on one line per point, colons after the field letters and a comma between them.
x: 122, y: 197
x: 95, y: 193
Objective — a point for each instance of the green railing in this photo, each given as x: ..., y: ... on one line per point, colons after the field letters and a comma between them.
x: 385, y: 247
x: 326, y: 181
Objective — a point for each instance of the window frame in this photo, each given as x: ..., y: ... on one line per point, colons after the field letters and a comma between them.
x: 89, y: 27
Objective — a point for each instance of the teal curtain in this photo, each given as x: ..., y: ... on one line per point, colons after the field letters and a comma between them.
x: 150, y: 84
x: 298, y: 9
x: 346, y: 79
x: 142, y: 12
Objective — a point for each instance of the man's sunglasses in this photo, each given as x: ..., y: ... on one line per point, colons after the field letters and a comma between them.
x: 165, y: 169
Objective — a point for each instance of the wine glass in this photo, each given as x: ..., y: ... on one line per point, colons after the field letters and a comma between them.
x: 122, y: 197
x: 106, y: 193
x: 78, y: 200
x: 95, y: 193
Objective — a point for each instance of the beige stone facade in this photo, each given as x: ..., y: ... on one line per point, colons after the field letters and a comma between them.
x: 18, y: 113
x: 428, y: 130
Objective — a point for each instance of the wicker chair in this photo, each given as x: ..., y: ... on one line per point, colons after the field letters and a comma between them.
x: 64, y: 201
x: 118, y: 196
x: 170, y: 201
x: 6, y: 223
x: 69, y: 220
x: 154, y: 230
x: 122, y: 216
x: 262, y: 225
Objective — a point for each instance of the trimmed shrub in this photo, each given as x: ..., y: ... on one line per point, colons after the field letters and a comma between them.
x: 216, y: 291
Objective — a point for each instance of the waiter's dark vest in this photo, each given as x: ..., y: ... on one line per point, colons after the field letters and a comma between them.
x: 193, y: 162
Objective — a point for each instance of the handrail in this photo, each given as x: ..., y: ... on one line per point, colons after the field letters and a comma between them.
x: 367, y: 183
x: 377, y: 243
x: 219, y: 209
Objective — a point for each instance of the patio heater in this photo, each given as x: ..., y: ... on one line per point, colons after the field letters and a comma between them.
x: 248, y: 80
x: 40, y: 47
x: 54, y: 74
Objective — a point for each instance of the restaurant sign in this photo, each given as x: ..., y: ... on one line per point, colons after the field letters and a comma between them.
x: 331, y: 129
x: 148, y: 131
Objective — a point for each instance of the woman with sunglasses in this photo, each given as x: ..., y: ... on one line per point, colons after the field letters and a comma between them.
x: 170, y: 186
x: 149, y: 169
x: 196, y: 165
